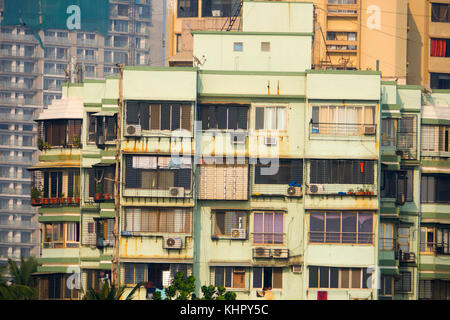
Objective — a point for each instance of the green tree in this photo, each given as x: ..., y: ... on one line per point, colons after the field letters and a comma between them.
x: 22, y: 286
x: 108, y: 292
x: 217, y: 293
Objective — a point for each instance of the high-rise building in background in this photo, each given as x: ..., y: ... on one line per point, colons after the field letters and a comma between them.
x: 30, y: 79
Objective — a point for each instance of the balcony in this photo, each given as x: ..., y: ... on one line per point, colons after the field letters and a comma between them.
x: 87, y: 42
x: 270, y: 253
x: 87, y: 58
x: 18, y: 37
x: 19, y: 102
x: 64, y: 57
x: 4, y: 85
x: 18, y: 117
x: 57, y: 40
x: 56, y: 72
x: 321, y: 237
x: 18, y: 224
x: 19, y: 69
x: 17, y: 160
x: 60, y: 244
x: 343, y: 129
x: 19, y: 54
x: 407, y: 257
x: 55, y: 202
x: 437, y: 248
x: 12, y: 192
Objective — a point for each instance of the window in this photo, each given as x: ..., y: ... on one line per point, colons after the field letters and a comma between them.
x: 60, y: 235
x: 162, y: 173
x: 341, y: 120
x: 62, y: 133
x: 440, y: 80
x: 105, y: 128
x: 435, y: 240
x: 440, y: 12
x: 95, y: 278
x: 134, y: 273
x: 403, y: 283
x: 388, y: 132
x: 52, y: 183
x: 342, y: 171
x: 341, y: 227
x: 386, y: 237
x: 238, y: 47
x: 157, y: 220
x: 289, y: 171
x: 187, y: 8
x: 160, y: 274
x: 222, y: 181
x: 101, y: 180
x: 229, y: 277
x: 440, y: 48
x: 267, y: 278
x: 435, y: 138
x: 403, y: 239
x: 397, y: 185
x: 270, y: 118
x: 435, y: 188
x: 268, y: 228
x: 223, y: 117
x: 55, y: 287
x: 334, y: 277
x: 219, y: 8
x: 386, y: 286
x: 426, y: 289
x: 178, y: 38
x: 226, y: 222
x: 104, y: 232
x: 154, y: 116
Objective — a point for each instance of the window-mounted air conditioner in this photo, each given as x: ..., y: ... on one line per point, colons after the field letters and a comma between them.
x: 172, y: 243
x: 216, y: 13
x: 270, y: 141
x: 133, y: 130
x: 261, y: 252
x: 280, y: 253
x: 296, y: 268
x: 369, y: 130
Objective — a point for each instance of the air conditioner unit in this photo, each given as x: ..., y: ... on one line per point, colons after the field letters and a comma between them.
x: 238, y: 139
x: 176, y: 192
x: 261, y: 252
x: 133, y: 130
x: 409, y: 257
x: 216, y: 13
x: 296, y: 268
x: 294, y: 191
x: 400, y: 199
x: 172, y: 243
x: 239, y: 233
x: 280, y: 253
x: 270, y: 141
x: 369, y: 130
x: 101, y: 140
x: 315, y: 188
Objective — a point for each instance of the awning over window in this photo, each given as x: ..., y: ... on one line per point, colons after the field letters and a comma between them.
x: 54, y: 165
x: 68, y: 108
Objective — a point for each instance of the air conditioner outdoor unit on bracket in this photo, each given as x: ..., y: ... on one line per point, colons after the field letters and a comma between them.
x: 172, y: 243
x: 133, y: 130
x: 261, y: 252
x: 296, y: 268
x: 294, y: 191
x: 239, y: 233
x: 280, y: 253
x: 176, y: 192
x: 315, y: 188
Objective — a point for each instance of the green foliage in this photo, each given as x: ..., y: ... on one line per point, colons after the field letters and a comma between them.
x: 22, y: 286
x: 182, y: 288
x: 35, y: 193
x: 217, y: 293
x: 107, y: 292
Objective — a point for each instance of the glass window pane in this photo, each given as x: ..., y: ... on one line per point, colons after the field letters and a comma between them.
x: 316, y: 227
x: 313, y: 277
x: 333, y: 227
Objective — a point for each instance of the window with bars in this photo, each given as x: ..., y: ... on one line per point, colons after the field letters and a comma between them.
x: 55, y: 287
x: 386, y: 237
x: 341, y: 120
x: 403, y: 239
x: 388, y: 132
x: 161, y: 274
x: 406, y: 137
x: 61, y: 234
x: 341, y: 227
x: 440, y: 12
x: 397, y: 184
x: 435, y: 240
x: 187, y: 8
x: 157, y: 220
x: 268, y: 228
x: 228, y: 223
x: 426, y: 289
x: 435, y: 138
x: 289, y: 171
x: 270, y: 118
x: 403, y: 283
x: 104, y: 232
x: 95, y: 278
x: 336, y: 277
x: 229, y: 277
x: 267, y: 278
x: 101, y: 180
x: 61, y: 133
x: 435, y: 188
x: 159, y: 116
x: 223, y: 117
x: 386, y: 286
x: 342, y: 171
x: 162, y: 173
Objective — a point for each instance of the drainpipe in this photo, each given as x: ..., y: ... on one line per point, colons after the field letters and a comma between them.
x: 115, y: 262
x: 196, y: 211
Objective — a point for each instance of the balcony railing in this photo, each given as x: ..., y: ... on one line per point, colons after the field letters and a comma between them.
x: 18, y: 69
x: 268, y: 238
x: 15, y: 53
x: 60, y: 244
x: 56, y: 202
x: 87, y: 42
x: 18, y: 160
x: 14, y: 191
x: 342, y: 129
x: 439, y: 248
x: 56, y: 57
x: 18, y: 102
x: 19, y: 224
x: 57, y: 40
x: 14, y: 85
x: 26, y: 117
x: 387, y: 244
x: 18, y: 37
x: 341, y: 237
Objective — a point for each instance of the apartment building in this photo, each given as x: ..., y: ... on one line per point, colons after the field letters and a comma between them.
x: 356, y: 207
x: 31, y: 76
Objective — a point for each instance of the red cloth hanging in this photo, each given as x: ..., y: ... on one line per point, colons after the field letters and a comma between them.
x: 438, y: 47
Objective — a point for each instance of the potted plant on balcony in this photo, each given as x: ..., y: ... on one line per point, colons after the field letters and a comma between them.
x: 61, y: 198
x: 106, y: 196
x: 76, y: 197
x: 98, y: 192
x: 40, y: 144
x: 35, y: 194
x: 75, y: 141
x: 350, y: 192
